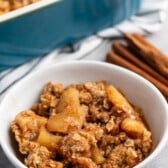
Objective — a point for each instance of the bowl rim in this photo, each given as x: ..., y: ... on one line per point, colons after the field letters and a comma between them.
x: 161, y: 144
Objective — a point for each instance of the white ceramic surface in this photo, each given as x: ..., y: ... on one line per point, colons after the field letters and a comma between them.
x: 137, y: 90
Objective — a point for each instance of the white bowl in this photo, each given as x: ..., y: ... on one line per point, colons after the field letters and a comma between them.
x: 137, y: 90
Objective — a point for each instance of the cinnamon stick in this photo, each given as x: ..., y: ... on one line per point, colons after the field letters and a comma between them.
x: 116, y: 59
x: 123, y: 51
x: 149, y: 53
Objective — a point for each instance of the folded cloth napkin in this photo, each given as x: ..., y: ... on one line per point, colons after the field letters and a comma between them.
x: 149, y: 19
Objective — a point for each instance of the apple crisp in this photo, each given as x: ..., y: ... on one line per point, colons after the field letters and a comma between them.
x: 10, y: 5
x: 86, y: 125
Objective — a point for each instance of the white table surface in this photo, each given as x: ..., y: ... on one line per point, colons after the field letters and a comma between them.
x: 159, y: 39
